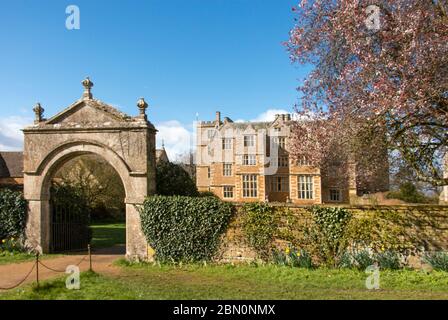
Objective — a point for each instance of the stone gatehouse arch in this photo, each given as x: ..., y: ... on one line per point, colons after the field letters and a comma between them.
x: 89, y: 126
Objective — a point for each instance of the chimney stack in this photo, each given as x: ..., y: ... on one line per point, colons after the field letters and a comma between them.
x: 218, y: 117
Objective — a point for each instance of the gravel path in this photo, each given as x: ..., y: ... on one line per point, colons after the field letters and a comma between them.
x: 102, y: 262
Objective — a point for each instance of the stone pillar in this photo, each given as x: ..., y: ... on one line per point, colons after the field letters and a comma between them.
x: 136, y: 245
x: 38, y: 226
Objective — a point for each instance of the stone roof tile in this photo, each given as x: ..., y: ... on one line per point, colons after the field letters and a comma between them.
x: 11, y: 164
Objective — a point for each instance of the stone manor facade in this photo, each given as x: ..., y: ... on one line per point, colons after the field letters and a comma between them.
x: 249, y: 161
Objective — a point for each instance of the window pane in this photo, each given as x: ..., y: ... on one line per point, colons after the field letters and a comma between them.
x: 335, y: 195
x: 305, y: 187
x: 228, y: 192
x: 227, y: 169
x: 227, y: 143
x: 250, y: 186
x: 249, y: 160
x: 249, y: 140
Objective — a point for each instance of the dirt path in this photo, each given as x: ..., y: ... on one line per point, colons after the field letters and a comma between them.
x: 102, y: 262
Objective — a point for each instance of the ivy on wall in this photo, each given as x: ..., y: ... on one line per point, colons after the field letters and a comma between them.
x: 326, y: 234
x: 383, y: 230
x: 260, y: 226
x: 184, y: 229
x: 13, y: 213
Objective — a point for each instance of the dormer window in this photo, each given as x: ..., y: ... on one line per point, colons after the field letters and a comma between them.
x: 227, y: 144
x: 249, y: 140
x: 210, y: 133
x: 280, y: 142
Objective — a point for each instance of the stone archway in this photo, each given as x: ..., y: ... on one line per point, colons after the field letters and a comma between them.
x: 89, y: 126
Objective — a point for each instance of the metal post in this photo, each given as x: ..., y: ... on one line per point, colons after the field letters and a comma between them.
x: 37, y: 269
x: 90, y: 257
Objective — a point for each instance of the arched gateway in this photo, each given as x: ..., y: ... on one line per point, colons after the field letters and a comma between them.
x: 89, y: 126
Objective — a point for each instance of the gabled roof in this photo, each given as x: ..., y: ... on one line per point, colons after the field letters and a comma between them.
x: 96, y: 104
x: 11, y: 164
x: 88, y: 113
x: 161, y: 155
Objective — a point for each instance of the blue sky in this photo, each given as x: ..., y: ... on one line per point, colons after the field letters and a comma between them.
x: 184, y: 57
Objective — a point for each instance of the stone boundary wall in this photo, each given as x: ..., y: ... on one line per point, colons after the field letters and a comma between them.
x: 427, y: 225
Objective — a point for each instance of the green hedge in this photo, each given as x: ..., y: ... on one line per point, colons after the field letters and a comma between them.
x: 13, y: 212
x: 173, y: 180
x: 184, y: 229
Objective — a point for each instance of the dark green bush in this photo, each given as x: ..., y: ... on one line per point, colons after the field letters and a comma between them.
x: 207, y: 194
x: 184, y: 229
x: 408, y: 192
x: 437, y: 260
x: 13, y: 213
x: 173, y: 180
x: 388, y: 260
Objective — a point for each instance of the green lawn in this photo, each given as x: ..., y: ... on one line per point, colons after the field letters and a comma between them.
x: 108, y: 234
x: 240, y: 282
x: 7, y: 258
x: 105, y: 235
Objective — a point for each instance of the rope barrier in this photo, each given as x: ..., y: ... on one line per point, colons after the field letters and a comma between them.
x: 22, y: 281
x: 60, y: 271
x: 36, y: 265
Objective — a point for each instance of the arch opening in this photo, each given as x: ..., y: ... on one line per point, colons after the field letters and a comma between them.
x: 87, y: 205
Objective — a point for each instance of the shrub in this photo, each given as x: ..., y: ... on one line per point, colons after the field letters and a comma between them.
x: 207, y: 194
x: 13, y: 213
x: 408, y: 192
x: 437, y: 260
x: 364, y: 258
x: 292, y: 257
x: 388, y: 260
x: 172, y: 180
x: 11, y: 246
x: 325, y: 237
x: 184, y: 228
x: 259, y: 225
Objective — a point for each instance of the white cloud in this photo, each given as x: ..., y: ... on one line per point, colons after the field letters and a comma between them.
x: 11, y: 136
x: 269, y: 115
x: 177, y: 138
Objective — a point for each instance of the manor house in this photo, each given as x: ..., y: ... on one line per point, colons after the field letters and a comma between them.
x: 249, y: 161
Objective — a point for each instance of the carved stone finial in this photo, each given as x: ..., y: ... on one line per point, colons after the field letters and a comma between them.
x: 39, y: 112
x: 87, y: 84
x: 142, y: 106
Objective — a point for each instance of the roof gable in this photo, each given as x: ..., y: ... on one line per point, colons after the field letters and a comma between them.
x: 161, y: 156
x: 88, y: 111
x: 11, y: 164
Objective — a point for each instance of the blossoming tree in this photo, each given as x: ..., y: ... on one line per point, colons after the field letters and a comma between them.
x: 380, y: 80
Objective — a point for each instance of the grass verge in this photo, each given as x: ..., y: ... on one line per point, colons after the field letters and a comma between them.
x: 144, y: 281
